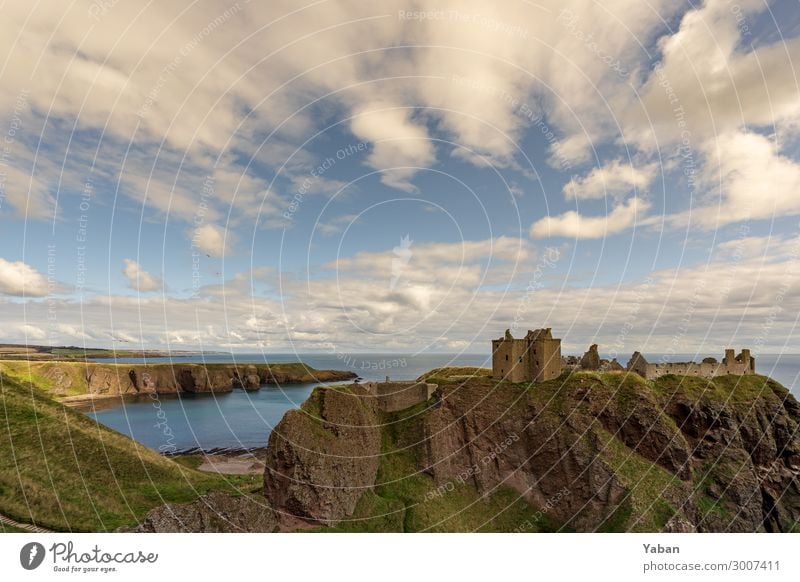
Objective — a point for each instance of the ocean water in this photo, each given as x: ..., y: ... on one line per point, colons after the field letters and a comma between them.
x: 244, y: 420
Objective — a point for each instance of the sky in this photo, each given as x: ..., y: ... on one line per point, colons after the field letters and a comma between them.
x: 400, y: 176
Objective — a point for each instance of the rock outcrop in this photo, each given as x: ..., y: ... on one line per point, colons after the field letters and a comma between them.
x: 213, y: 513
x: 322, y: 458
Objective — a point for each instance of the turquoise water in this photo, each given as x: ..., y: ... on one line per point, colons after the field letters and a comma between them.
x: 243, y: 420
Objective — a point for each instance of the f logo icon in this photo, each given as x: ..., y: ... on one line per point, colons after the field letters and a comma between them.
x: 31, y: 555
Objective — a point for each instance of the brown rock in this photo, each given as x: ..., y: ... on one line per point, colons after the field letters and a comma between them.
x: 212, y: 513
x: 322, y: 458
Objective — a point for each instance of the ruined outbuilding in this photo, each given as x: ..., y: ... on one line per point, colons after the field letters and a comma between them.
x: 741, y: 365
x: 591, y: 359
x: 534, y: 358
x: 392, y: 396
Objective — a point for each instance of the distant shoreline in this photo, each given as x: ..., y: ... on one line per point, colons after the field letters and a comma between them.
x: 37, y: 353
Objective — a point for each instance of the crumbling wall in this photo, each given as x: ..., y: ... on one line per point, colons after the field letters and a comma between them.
x: 740, y: 365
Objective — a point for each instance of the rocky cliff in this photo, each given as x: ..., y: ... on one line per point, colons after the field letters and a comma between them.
x: 322, y: 458
x: 586, y: 452
x: 79, y: 378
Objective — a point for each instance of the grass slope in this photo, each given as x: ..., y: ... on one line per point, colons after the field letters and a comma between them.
x: 63, y: 471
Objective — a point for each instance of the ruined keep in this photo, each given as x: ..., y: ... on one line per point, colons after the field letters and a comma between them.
x: 741, y: 365
x: 534, y: 358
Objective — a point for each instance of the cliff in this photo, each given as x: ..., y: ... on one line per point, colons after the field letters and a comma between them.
x: 322, y: 458
x: 585, y: 452
x: 73, y: 379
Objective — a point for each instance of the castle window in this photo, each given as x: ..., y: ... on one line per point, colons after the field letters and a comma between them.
x: 520, y: 359
x: 506, y: 357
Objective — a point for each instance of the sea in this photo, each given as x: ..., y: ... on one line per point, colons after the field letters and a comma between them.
x: 242, y: 420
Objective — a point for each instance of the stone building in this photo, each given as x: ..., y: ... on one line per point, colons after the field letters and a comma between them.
x: 534, y: 358
x: 741, y: 365
x: 398, y: 395
x: 590, y: 359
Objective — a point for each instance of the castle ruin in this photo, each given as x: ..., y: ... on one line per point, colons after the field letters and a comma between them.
x: 534, y: 358
x: 537, y: 358
x: 741, y: 365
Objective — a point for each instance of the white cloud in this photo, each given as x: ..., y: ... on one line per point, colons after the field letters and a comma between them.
x: 750, y: 302
x: 400, y: 147
x: 139, y: 279
x: 467, y: 263
x: 31, y: 332
x: 20, y: 279
x: 754, y: 181
x: 211, y: 239
x: 574, y: 225
x: 612, y: 179
x: 744, y: 177
x: 752, y: 247
x: 336, y: 224
x: 710, y: 82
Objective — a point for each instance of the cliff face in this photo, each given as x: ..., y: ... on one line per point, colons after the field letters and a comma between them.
x: 587, y: 452
x: 322, y: 458
x: 76, y: 378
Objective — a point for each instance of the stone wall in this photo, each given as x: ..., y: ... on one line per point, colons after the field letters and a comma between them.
x: 741, y: 365
x: 511, y: 360
x: 394, y: 396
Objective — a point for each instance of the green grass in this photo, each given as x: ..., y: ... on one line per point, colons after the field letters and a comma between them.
x: 444, y: 373
x: 62, y: 470
x: 735, y: 390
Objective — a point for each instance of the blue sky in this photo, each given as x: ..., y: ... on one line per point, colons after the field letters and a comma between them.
x: 222, y: 175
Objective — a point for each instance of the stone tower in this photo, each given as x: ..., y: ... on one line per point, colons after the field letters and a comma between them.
x: 534, y: 358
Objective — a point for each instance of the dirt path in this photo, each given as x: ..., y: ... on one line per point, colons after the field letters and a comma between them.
x: 25, y: 526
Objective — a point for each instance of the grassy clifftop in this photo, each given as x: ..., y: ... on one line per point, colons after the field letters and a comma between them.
x: 63, y: 471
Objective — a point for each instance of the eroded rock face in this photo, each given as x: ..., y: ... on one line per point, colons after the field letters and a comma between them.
x: 61, y: 380
x: 745, y: 458
x: 639, y: 423
x: 317, y: 469
x: 110, y: 380
x: 501, y: 441
x: 213, y: 513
